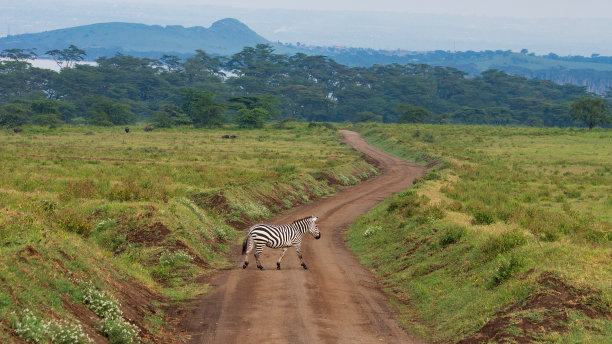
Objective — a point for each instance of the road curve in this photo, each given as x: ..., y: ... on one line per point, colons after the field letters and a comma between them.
x: 336, y: 301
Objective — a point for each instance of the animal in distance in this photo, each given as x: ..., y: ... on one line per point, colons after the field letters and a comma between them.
x: 283, y: 237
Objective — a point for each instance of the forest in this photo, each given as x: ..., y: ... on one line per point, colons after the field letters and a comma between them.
x: 257, y: 84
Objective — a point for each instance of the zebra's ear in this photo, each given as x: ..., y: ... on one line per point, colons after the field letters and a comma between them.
x: 315, y: 218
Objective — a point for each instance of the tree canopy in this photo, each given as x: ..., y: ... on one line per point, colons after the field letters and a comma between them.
x: 590, y: 110
x: 257, y: 84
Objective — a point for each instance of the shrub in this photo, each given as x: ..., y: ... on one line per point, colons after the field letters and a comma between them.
x: 506, y: 268
x: 432, y: 176
x: 504, y: 243
x: 454, y: 205
x: 343, y: 179
x: 452, y: 235
x: 62, y: 332
x: 483, y: 218
x: 30, y: 327
x: 74, y: 222
x: 103, y: 305
x: 119, y: 331
x: 36, y: 330
x: 431, y: 214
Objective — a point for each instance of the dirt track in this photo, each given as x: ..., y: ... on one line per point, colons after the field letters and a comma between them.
x: 336, y: 301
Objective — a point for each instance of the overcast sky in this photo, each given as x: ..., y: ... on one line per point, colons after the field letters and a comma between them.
x: 491, y: 8
x: 561, y: 26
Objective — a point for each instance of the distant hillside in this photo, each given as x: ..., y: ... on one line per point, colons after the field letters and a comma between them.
x: 595, y: 72
x: 224, y: 37
x: 229, y: 36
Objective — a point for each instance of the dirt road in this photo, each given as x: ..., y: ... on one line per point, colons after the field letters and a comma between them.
x: 336, y: 301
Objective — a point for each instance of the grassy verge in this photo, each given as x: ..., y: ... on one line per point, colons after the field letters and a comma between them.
x: 101, y: 230
x: 509, y: 239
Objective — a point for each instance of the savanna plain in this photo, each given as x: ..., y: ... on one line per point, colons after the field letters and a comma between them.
x: 104, y: 235
x: 508, y: 238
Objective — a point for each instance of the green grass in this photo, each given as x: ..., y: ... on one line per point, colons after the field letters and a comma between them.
x: 144, y: 213
x: 517, y: 203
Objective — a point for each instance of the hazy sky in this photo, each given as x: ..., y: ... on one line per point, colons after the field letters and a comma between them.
x: 491, y: 8
x: 561, y: 26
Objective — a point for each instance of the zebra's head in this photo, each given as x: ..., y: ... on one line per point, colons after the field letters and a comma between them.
x: 314, y: 229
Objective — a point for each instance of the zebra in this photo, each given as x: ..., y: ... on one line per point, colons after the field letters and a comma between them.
x: 283, y: 237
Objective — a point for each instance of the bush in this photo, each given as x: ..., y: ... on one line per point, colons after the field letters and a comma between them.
x: 119, y: 331
x: 50, y: 120
x: 105, y: 306
x: 66, y: 333
x: 483, y: 218
x: 36, y: 330
x: 506, y: 268
x: 504, y: 242
x: 74, y: 222
x: 452, y: 235
x: 30, y: 327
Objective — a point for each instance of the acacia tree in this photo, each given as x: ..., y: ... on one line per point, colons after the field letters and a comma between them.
x: 16, y: 54
x: 66, y: 58
x: 201, y: 107
x: 411, y: 114
x: 590, y: 110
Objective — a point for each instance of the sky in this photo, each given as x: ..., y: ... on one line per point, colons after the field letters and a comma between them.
x: 489, y: 8
x: 564, y: 27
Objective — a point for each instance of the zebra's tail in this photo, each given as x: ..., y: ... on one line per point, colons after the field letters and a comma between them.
x: 244, y: 244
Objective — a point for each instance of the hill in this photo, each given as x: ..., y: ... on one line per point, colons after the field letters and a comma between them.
x: 226, y: 36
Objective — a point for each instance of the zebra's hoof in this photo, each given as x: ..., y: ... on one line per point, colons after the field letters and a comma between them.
x: 260, y: 267
x: 278, y: 266
x: 245, y: 265
x: 304, y: 266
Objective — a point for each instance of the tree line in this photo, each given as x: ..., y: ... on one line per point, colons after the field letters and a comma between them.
x: 257, y: 85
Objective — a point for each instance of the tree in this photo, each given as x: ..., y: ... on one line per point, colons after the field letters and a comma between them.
x: 252, y: 118
x: 170, y: 115
x: 13, y: 115
x: 19, y: 54
x: 106, y: 111
x: 590, y: 110
x: 201, y: 107
x: 411, y: 113
x: 66, y: 58
x: 367, y: 116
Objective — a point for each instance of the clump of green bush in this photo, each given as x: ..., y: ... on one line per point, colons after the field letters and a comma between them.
x: 504, y: 243
x: 452, y: 235
x: 506, y: 268
x: 483, y: 218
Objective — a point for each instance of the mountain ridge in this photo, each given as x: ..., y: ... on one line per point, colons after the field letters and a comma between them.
x: 228, y: 36
x: 225, y: 36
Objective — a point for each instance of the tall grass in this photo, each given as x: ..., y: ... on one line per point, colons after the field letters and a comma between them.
x: 153, y: 211
x: 516, y: 203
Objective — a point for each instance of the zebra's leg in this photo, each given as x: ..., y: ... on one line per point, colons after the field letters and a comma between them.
x: 281, y: 257
x: 298, y: 249
x: 258, y: 250
x: 248, y: 251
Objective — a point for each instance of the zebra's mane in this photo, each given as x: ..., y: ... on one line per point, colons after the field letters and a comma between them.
x: 304, y: 219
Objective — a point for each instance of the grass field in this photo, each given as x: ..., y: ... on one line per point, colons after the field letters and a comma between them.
x: 507, y: 239
x: 98, y: 226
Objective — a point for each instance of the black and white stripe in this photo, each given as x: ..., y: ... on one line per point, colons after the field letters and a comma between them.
x: 283, y: 237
